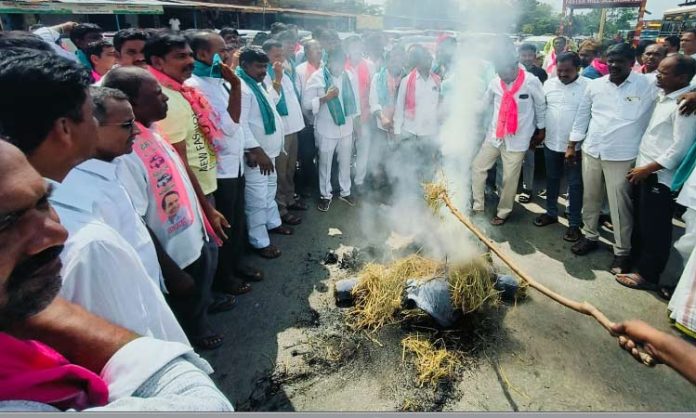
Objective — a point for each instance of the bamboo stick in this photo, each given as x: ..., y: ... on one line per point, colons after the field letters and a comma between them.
x: 581, y: 307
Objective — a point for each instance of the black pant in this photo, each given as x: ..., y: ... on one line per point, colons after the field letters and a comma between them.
x: 192, y: 311
x: 652, y: 230
x: 229, y: 200
x: 307, y: 177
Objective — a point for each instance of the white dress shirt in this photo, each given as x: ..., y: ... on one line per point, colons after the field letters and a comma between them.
x: 668, y: 137
x: 94, y: 182
x: 323, y: 122
x: 103, y: 273
x: 426, y: 120
x: 184, y: 247
x: 230, y: 158
x: 612, y: 119
x: 531, y: 111
x: 301, y: 78
x: 562, y: 102
x: 375, y: 106
x: 294, y: 121
x: 252, y: 122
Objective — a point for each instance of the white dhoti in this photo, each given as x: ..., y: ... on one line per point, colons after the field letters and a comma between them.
x: 327, y: 147
x: 682, y: 306
x: 362, y: 153
x: 686, y: 244
x: 260, y: 206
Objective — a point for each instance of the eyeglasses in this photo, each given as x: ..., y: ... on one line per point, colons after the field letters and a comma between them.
x: 125, y: 125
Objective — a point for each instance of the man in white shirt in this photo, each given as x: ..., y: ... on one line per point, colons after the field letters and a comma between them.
x: 688, y: 42
x: 307, y: 150
x: 384, y: 90
x: 332, y: 96
x: 134, y: 372
x: 153, y: 172
x: 222, y: 88
x: 511, y: 132
x: 610, y: 121
x: 416, y: 116
x: 652, y: 57
x: 563, y: 95
x: 290, y: 112
x: 664, y: 145
x: 51, y: 121
x: 263, y: 142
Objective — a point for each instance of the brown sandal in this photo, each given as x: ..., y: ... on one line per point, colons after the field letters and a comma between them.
x: 497, y: 221
x: 291, y: 219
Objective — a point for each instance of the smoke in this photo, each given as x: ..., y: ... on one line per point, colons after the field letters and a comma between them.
x: 462, y: 130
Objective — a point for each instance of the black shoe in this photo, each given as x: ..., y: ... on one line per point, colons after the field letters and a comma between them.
x: 525, y: 196
x: 573, y: 234
x: 324, y: 205
x: 350, y: 200
x: 584, y: 247
x: 620, y: 265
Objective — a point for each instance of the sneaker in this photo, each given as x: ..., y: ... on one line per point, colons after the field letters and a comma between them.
x: 350, y: 200
x: 324, y: 205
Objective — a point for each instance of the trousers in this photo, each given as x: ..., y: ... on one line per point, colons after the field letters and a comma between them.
x: 286, y: 165
x: 652, y: 229
x: 229, y: 200
x: 327, y: 148
x: 260, y: 206
x: 556, y: 166
x: 597, y: 176
x: 307, y: 176
x: 362, y: 153
x: 512, y: 165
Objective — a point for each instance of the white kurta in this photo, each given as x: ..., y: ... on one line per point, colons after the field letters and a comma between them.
x: 682, y: 306
x: 260, y: 191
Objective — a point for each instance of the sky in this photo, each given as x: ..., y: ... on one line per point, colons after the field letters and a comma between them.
x: 657, y: 7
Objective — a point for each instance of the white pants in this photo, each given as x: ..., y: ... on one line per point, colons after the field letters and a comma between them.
x: 327, y: 147
x: 260, y: 206
x: 362, y: 152
x: 686, y: 244
x: 598, y: 176
x: 512, y: 165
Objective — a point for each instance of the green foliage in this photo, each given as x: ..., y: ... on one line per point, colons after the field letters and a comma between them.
x: 537, y: 18
x: 617, y: 19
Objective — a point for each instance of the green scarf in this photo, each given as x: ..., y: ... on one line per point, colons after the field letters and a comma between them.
x: 282, y: 106
x: 202, y: 69
x: 265, y: 108
x: 338, y: 113
x: 683, y: 172
x: 83, y: 58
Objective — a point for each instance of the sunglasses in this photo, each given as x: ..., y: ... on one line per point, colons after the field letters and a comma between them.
x: 125, y: 125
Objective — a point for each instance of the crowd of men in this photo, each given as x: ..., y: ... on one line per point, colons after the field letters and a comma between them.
x: 136, y: 175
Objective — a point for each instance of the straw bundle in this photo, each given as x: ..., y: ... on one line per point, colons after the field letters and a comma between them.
x: 432, y: 364
x: 380, y: 289
x: 471, y: 285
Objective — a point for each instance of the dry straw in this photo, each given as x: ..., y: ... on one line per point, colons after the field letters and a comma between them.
x: 432, y: 364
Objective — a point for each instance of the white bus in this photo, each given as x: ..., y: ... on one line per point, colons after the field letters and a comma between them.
x: 676, y: 21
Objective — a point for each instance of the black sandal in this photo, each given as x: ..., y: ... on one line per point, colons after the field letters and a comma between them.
x: 525, y: 197
x: 211, y: 342
x: 545, y: 220
x: 222, y: 303
x: 666, y: 292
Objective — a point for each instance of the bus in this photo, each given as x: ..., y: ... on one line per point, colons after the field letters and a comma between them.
x: 677, y: 20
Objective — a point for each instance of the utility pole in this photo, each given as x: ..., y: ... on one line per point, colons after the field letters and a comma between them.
x: 602, y: 22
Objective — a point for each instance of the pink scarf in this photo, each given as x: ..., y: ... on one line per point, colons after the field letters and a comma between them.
x: 96, y: 76
x: 507, y: 115
x: 165, y: 178
x: 208, y: 119
x: 552, y: 62
x: 32, y: 371
x: 600, y: 66
x: 410, y: 110
x: 363, y: 73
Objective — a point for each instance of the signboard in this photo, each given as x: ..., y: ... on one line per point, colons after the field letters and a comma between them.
x: 78, y: 8
x: 608, y: 4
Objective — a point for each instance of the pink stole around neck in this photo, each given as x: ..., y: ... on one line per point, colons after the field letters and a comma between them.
x: 508, y: 117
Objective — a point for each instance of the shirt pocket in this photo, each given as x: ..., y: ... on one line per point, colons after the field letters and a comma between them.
x: 629, y: 107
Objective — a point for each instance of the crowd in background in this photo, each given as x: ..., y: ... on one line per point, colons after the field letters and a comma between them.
x: 138, y: 175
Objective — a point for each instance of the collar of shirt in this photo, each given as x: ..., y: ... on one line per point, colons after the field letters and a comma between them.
x: 69, y: 198
x: 630, y: 79
x: 103, y: 169
x: 674, y: 95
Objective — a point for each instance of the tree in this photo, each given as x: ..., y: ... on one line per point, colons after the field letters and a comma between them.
x: 537, y: 18
x: 617, y: 19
